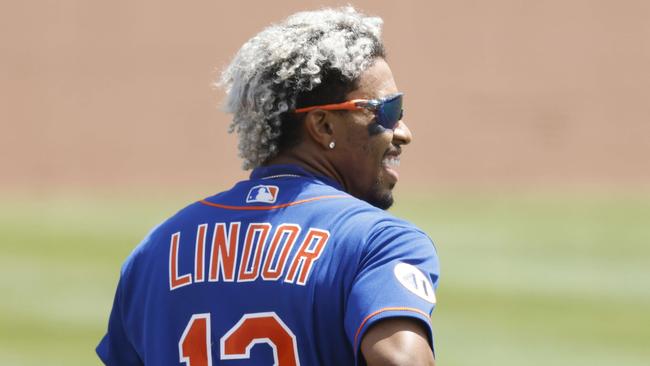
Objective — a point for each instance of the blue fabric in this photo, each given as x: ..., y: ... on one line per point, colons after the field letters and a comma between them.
x: 327, y: 306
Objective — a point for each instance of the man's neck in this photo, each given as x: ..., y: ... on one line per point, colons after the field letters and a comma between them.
x: 318, y: 166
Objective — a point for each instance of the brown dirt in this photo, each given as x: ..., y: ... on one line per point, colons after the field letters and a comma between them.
x: 511, y: 93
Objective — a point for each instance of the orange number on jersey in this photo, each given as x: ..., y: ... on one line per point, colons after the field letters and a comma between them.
x: 194, y: 346
x: 251, y: 329
x: 256, y: 328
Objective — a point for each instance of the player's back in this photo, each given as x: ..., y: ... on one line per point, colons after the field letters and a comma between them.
x: 272, y: 261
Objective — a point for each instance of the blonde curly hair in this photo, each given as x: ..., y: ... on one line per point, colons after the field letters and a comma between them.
x: 270, y: 73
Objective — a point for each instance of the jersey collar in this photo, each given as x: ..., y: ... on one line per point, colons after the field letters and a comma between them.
x: 291, y: 170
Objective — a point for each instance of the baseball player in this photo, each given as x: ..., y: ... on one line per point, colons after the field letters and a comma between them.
x: 300, y: 264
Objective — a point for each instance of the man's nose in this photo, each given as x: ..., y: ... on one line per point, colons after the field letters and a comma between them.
x: 402, y: 134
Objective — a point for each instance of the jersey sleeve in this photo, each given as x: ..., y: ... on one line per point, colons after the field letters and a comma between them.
x: 115, y: 348
x: 397, y: 277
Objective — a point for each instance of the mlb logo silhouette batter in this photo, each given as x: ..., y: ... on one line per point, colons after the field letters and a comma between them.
x: 263, y: 194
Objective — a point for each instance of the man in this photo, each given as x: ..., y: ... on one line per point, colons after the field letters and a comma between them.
x: 300, y: 265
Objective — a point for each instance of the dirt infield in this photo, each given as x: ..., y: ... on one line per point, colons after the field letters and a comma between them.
x: 542, y: 94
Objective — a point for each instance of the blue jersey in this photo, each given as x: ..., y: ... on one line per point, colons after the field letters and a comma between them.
x: 283, y: 269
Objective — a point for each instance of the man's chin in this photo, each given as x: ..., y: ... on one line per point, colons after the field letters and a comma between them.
x: 382, y: 200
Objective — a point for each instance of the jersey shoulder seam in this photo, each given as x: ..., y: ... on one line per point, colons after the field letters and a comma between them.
x: 272, y: 207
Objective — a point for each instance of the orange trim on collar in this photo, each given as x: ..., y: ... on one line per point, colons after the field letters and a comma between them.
x: 262, y: 208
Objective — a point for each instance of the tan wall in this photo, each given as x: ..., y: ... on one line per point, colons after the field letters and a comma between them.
x: 530, y: 93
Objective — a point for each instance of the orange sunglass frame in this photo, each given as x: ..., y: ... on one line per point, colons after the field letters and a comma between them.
x: 375, y: 105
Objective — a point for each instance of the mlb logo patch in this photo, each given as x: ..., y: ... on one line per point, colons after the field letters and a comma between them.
x: 263, y: 194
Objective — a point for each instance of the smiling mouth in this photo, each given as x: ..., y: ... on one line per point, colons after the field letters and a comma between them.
x: 390, y: 165
x: 391, y: 162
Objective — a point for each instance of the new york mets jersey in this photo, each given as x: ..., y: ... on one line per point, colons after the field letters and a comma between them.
x: 283, y: 269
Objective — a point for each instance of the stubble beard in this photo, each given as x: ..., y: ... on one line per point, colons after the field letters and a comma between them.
x: 380, y: 198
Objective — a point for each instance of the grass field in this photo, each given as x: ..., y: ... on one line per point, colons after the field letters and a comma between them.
x: 549, y: 280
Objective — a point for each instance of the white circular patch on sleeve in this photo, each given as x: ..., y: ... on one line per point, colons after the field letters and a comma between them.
x: 415, y: 281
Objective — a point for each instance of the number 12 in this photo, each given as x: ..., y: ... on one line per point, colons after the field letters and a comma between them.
x: 194, y: 347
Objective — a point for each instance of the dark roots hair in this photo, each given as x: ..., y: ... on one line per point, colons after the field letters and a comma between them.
x: 311, y: 58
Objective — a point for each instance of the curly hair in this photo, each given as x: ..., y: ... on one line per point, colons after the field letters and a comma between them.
x: 311, y: 58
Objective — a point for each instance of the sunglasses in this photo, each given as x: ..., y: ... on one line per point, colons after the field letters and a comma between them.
x: 388, y: 111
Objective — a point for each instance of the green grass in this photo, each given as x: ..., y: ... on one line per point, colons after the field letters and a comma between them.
x: 538, y: 281
x: 525, y: 280
x: 60, y: 264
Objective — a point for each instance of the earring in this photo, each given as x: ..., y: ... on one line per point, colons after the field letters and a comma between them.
x: 331, y: 145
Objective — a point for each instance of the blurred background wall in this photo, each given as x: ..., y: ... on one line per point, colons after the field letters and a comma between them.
x: 506, y: 93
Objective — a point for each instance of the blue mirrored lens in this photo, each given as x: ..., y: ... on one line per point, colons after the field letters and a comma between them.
x: 390, y: 112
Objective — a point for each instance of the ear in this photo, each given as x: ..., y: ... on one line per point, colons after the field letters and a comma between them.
x: 320, y: 127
